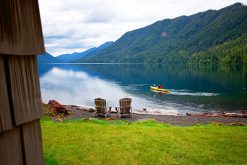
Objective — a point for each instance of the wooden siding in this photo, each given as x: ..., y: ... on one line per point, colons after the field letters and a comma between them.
x: 5, y: 115
x: 25, y: 88
x: 32, y: 143
x: 20, y: 107
x: 11, y: 147
x: 20, y: 28
x: 21, y: 39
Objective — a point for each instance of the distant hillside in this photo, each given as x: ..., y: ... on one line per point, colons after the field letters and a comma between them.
x: 47, y: 58
x: 213, y: 36
x: 76, y: 57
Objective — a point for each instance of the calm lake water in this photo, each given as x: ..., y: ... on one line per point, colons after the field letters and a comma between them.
x: 192, y: 88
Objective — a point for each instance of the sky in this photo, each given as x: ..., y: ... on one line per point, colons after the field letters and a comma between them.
x: 77, y: 25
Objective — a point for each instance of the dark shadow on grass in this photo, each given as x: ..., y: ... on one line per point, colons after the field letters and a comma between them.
x: 50, y: 161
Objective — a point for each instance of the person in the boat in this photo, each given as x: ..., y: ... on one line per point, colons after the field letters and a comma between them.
x: 160, y: 86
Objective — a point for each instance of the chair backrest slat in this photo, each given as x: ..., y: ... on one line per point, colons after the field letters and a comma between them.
x: 125, y: 105
x: 100, y: 105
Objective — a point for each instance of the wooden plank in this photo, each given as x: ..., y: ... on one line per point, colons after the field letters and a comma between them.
x: 25, y: 88
x: 20, y: 28
x: 32, y: 142
x: 5, y: 115
x: 11, y: 147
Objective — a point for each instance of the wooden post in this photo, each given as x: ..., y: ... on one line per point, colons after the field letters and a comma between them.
x: 21, y: 39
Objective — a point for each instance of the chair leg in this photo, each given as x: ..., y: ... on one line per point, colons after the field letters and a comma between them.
x: 118, y: 113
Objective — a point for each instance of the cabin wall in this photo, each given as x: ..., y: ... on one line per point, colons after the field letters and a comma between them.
x: 20, y: 111
x: 21, y: 39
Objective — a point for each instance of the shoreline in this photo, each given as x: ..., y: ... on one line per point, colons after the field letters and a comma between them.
x: 173, y: 112
x: 78, y: 112
x: 154, y: 111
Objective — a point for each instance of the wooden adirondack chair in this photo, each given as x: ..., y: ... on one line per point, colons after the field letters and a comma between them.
x: 125, y: 107
x: 100, y: 106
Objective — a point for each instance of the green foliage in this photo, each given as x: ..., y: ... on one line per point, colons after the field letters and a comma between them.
x: 199, y: 38
x: 144, y: 142
x: 234, y: 51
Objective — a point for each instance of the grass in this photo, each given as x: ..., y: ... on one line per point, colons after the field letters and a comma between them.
x: 148, y: 142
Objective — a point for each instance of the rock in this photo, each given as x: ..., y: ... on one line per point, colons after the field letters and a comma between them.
x: 242, y: 115
x: 237, y: 115
x: 58, y: 108
x: 48, y: 111
x: 237, y: 124
x: 164, y: 34
x: 217, y: 123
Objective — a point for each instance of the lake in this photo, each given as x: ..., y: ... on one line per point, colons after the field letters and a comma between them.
x: 193, y: 88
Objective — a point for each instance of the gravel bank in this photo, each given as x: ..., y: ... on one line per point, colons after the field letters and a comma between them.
x: 79, y: 112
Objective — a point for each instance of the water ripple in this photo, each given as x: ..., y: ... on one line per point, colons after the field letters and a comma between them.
x: 188, y: 93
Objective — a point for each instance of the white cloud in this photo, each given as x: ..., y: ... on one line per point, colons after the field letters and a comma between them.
x: 77, y: 25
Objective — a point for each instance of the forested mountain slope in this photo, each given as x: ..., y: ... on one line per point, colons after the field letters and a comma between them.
x: 213, y: 36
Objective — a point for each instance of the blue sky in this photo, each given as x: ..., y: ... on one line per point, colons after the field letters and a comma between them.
x: 76, y: 25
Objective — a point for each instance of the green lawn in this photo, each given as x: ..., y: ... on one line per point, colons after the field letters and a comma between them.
x: 118, y: 142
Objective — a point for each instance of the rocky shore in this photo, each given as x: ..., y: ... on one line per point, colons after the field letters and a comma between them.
x: 78, y: 112
x: 64, y: 112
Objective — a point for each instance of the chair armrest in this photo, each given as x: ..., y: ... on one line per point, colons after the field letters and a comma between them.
x: 109, y: 109
x: 116, y: 108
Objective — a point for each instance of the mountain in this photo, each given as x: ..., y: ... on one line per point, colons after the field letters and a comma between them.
x: 76, y: 57
x: 100, y: 49
x: 213, y: 36
x: 47, y: 58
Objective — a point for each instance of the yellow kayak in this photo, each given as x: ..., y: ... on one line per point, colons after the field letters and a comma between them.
x: 156, y: 89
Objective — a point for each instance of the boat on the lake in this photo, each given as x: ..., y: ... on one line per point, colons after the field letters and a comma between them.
x: 159, y: 90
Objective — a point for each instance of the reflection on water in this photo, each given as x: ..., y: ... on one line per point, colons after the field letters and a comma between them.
x: 192, y: 88
x: 79, y: 88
